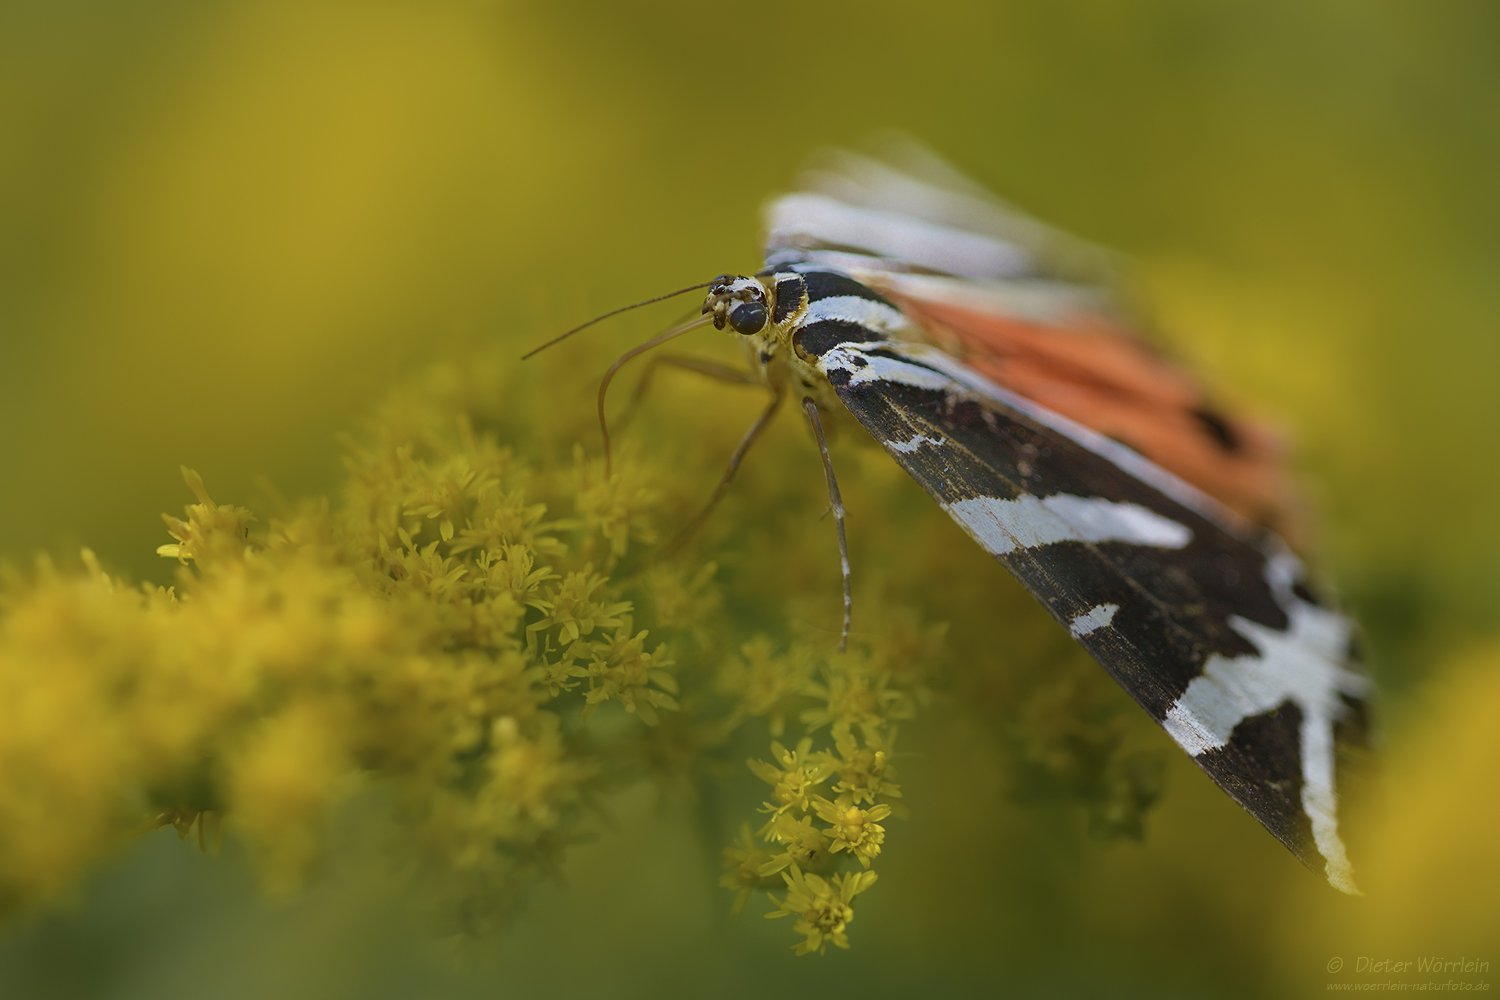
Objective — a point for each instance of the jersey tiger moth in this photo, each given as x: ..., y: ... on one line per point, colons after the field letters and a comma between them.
x: 986, y: 353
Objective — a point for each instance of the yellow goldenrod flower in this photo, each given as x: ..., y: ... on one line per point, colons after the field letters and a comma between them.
x: 224, y: 528
x: 855, y: 692
x: 621, y: 668
x: 744, y: 859
x: 794, y: 779
x: 281, y: 783
x: 680, y: 599
x: 615, y: 505
x: 767, y: 684
x: 864, y: 772
x: 854, y: 829
x: 803, y: 844
x: 824, y: 906
x: 531, y: 779
x: 572, y: 606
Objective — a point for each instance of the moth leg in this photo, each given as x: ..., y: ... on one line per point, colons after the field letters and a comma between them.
x: 734, y: 464
x: 835, y: 504
x: 703, y: 366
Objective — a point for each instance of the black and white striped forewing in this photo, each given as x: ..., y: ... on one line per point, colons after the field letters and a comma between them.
x: 1205, y: 621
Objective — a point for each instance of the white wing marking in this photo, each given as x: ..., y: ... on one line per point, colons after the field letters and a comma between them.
x: 1002, y: 526
x: 1092, y: 620
x: 798, y: 220
x: 911, y: 445
x: 1303, y: 665
x: 868, y: 313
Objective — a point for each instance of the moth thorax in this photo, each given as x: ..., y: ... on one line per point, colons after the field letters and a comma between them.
x: 740, y: 301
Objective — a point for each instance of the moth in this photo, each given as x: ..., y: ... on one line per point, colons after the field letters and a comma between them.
x: 989, y: 355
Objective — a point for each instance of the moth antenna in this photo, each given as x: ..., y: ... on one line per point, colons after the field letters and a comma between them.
x: 655, y: 341
x: 612, y: 312
x: 835, y: 504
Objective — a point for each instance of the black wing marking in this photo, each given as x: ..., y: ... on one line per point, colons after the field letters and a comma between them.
x: 1203, y: 621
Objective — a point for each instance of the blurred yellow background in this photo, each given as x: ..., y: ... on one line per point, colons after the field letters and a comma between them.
x: 226, y: 228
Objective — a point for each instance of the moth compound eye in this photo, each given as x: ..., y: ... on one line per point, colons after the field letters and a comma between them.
x: 748, y: 317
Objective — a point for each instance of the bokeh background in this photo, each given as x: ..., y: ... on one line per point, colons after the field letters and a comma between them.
x: 226, y: 228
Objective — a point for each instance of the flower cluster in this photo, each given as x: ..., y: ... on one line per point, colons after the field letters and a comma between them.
x: 429, y: 632
x: 1067, y: 739
x: 477, y: 632
x: 824, y: 906
x: 856, y: 695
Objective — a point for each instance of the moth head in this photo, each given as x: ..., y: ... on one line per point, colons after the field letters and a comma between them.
x: 738, y: 301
